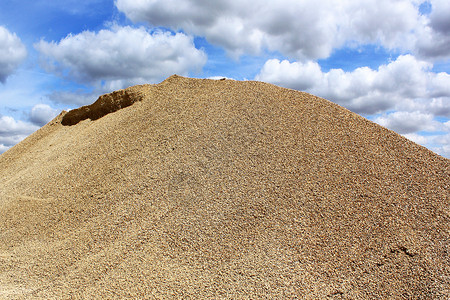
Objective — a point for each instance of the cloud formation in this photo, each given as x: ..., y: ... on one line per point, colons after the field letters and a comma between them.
x: 405, y: 122
x: 405, y: 82
x: 120, y: 56
x: 432, y: 37
x: 300, y: 30
x: 438, y: 142
x: 439, y: 19
x: 12, y: 53
x: 41, y: 114
x: 12, y: 132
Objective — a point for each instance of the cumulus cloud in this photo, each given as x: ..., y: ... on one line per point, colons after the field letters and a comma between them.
x: 432, y: 37
x: 13, y: 131
x: 405, y: 122
x: 443, y: 150
x: 41, y: 114
x: 364, y: 90
x: 301, y: 30
x: 439, y: 17
x: 439, y: 143
x: 412, y: 125
x: 3, y: 148
x: 296, y: 75
x: 437, y: 106
x: 8, y: 125
x: 12, y: 53
x: 120, y: 56
x: 416, y: 138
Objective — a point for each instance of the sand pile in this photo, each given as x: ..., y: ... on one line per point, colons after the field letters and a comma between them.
x: 222, y: 189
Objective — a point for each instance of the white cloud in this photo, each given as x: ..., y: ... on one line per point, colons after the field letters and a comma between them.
x: 301, y: 30
x: 121, y: 56
x: 3, y: 148
x: 447, y: 126
x: 41, y: 114
x: 440, y: 144
x: 416, y: 138
x: 408, y: 122
x: 437, y: 106
x: 296, y: 75
x: 12, y: 132
x: 9, y: 125
x: 432, y: 36
x: 12, y: 53
x: 439, y: 17
x: 443, y: 150
x: 403, y: 81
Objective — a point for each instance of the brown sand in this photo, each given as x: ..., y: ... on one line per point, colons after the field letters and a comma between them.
x: 222, y: 189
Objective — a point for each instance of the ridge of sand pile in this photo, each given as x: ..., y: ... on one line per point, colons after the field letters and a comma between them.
x: 223, y: 189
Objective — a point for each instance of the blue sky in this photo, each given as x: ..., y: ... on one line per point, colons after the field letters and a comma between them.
x: 386, y: 60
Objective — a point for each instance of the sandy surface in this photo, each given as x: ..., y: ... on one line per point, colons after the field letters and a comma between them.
x: 222, y: 189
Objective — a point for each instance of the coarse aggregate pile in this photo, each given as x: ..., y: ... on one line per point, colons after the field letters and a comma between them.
x: 200, y: 189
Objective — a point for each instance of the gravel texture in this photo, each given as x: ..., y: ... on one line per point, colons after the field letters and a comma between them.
x: 222, y: 189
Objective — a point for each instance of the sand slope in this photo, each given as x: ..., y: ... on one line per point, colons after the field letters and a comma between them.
x: 222, y: 189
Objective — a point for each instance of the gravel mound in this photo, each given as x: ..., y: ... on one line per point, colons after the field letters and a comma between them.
x: 222, y: 189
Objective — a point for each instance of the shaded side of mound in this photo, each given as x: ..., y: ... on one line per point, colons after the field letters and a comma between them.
x: 104, y: 105
x: 223, y: 189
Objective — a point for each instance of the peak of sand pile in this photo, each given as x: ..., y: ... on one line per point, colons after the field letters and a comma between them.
x: 200, y: 189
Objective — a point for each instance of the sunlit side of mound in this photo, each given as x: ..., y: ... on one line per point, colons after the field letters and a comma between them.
x: 227, y: 189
